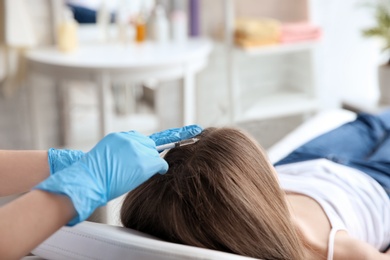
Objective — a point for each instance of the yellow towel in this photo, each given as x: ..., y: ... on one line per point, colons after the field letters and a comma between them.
x: 250, y: 32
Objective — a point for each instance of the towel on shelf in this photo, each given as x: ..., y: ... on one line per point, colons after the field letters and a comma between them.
x: 253, y: 32
x: 299, y: 31
x: 257, y: 32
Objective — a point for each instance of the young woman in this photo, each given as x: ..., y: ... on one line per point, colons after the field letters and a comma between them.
x: 326, y: 200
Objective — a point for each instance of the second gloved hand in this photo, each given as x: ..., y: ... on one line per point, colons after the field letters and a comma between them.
x: 119, y: 163
x: 176, y: 134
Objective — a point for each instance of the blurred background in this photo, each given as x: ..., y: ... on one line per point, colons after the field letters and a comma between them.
x: 72, y: 71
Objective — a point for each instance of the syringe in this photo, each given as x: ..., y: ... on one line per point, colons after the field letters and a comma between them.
x: 163, y: 147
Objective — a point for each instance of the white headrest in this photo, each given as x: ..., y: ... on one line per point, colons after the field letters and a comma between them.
x: 90, y: 240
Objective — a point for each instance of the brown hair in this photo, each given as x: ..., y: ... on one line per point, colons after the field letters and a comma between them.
x: 220, y: 193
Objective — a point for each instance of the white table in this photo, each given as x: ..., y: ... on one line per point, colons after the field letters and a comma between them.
x: 128, y: 63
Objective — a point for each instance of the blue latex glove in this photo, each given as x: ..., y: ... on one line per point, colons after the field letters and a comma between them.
x: 59, y: 159
x: 119, y: 163
x: 176, y: 134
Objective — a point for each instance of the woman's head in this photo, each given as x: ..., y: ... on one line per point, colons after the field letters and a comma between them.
x: 219, y: 193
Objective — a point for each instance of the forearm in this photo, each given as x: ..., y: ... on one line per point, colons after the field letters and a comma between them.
x: 22, y: 170
x: 347, y: 247
x: 29, y: 220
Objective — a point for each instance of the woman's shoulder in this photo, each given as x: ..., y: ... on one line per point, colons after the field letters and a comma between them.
x: 312, y: 225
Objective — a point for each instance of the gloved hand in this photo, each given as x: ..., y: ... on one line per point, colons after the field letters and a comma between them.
x: 59, y: 159
x: 176, y: 134
x: 119, y: 163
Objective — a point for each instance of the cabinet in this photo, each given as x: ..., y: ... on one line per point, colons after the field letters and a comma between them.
x: 272, y: 81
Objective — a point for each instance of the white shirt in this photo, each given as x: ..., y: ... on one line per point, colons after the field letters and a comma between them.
x: 352, y: 200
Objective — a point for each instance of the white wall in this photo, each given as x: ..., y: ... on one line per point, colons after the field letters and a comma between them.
x: 347, y: 62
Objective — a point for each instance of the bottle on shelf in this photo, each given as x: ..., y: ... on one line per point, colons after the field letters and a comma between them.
x: 159, y: 25
x: 125, y: 29
x: 194, y: 17
x: 67, y: 40
x: 179, y: 23
x: 103, y: 21
x: 140, y: 27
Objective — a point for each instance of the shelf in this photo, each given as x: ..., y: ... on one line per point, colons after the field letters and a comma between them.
x: 284, y: 102
x: 278, y: 48
x: 278, y: 105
